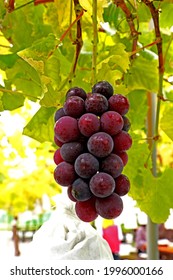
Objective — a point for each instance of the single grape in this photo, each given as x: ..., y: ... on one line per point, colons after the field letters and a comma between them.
x: 104, y: 88
x: 109, y: 207
x: 86, y: 165
x: 70, y: 151
x: 74, y: 106
x: 57, y: 142
x: 57, y: 157
x: 122, y: 185
x: 119, y: 103
x: 96, y: 103
x: 69, y: 193
x: 102, y: 184
x: 85, y: 210
x: 100, y: 144
x: 122, y: 141
x: 89, y: 124
x: 76, y: 91
x: 112, y: 165
x: 81, y: 190
x: 127, y: 124
x: 66, y: 129
x: 64, y: 174
x: 58, y: 114
x: 111, y: 122
x: 123, y: 156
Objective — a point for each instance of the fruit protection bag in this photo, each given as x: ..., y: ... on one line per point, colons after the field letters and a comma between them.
x: 65, y: 237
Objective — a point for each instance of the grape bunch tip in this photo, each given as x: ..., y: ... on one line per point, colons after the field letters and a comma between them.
x: 91, y: 132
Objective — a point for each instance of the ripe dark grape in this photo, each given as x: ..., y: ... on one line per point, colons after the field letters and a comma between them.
x: 86, y: 210
x: 122, y: 141
x: 80, y: 190
x: 70, y: 151
x: 58, y: 114
x: 100, y: 144
x: 57, y: 142
x: 96, y: 103
x: 104, y: 88
x: 122, y: 185
x: 112, y: 165
x: 111, y: 122
x: 64, y: 174
x: 89, y: 124
x: 119, y: 103
x: 74, y: 106
x: 123, y: 156
x: 109, y: 207
x: 127, y: 124
x: 76, y: 91
x: 102, y: 184
x: 66, y: 129
x: 69, y: 193
x: 57, y: 157
x: 86, y: 165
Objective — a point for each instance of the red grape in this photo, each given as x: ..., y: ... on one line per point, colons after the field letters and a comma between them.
x: 111, y: 122
x: 69, y: 193
x: 127, y: 124
x: 88, y: 124
x: 102, y: 184
x: 81, y: 190
x: 122, y: 185
x: 86, y: 210
x: 119, y: 103
x: 70, y: 151
x: 64, y: 174
x: 100, y: 144
x: 112, y: 165
x: 104, y: 88
x: 96, y: 103
x: 66, y: 129
x: 74, y: 106
x: 57, y: 142
x: 123, y: 156
x: 109, y: 207
x: 122, y: 141
x: 57, y: 157
x: 86, y: 165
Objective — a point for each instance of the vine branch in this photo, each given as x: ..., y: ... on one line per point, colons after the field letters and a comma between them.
x: 130, y: 20
x: 95, y: 40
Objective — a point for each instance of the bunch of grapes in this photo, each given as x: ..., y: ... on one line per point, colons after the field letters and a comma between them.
x: 91, y: 131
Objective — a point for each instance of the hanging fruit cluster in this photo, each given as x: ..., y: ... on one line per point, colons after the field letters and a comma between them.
x: 91, y: 131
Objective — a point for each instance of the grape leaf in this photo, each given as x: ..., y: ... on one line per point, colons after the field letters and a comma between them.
x: 10, y: 101
x: 166, y: 122
x: 41, y: 125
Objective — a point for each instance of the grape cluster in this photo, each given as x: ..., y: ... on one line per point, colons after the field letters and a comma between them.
x: 91, y: 131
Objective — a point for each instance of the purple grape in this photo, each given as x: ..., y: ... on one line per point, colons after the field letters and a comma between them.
x: 74, y: 106
x: 64, y: 174
x: 122, y: 185
x: 76, y: 91
x: 96, y: 103
x: 104, y: 88
x: 112, y: 165
x: 70, y: 151
x: 102, y: 184
x: 122, y: 141
x: 100, y: 144
x: 119, y: 103
x: 80, y: 190
x: 58, y: 114
x: 86, y: 165
x: 86, y: 210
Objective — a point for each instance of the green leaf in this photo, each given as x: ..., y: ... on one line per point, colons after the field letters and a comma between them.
x: 41, y: 125
x: 166, y: 122
x: 143, y: 75
x: 10, y: 101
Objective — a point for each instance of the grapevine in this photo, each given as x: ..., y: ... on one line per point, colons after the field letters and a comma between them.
x: 92, y: 134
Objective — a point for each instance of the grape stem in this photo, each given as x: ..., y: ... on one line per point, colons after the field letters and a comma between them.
x: 95, y: 41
